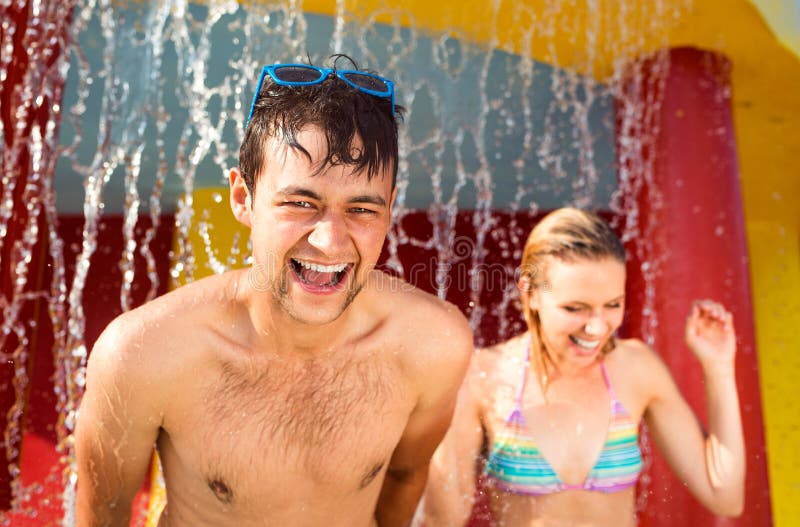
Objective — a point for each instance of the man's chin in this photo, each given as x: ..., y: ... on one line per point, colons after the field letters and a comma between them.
x: 315, y: 317
x: 318, y: 310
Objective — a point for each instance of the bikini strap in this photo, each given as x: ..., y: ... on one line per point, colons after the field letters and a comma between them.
x: 521, y: 391
x: 516, y: 417
x: 608, y: 382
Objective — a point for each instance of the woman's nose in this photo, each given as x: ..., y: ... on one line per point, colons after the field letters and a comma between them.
x: 595, y: 326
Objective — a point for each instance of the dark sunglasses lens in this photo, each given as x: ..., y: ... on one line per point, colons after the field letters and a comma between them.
x: 367, y: 82
x: 297, y: 74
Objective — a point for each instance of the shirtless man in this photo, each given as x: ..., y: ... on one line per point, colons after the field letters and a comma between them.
x: 308, y: 390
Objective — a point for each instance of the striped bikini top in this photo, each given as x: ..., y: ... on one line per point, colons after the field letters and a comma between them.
x: 516, y: 465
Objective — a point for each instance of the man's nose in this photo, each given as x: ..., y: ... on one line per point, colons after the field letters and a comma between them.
x: 329, y: 233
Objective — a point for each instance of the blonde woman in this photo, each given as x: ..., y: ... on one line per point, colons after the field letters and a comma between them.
x: 552, y: 416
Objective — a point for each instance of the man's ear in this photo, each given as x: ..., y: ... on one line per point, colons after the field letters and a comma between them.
x: 241, y: 202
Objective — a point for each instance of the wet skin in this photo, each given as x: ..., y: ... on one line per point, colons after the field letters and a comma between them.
x: 580, y: 305
x: 333, y: 218
x: 309, y: 389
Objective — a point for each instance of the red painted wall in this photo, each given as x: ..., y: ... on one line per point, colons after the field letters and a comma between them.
x: 692, y: 225
x: 31, y: 65
x: 101, y: 302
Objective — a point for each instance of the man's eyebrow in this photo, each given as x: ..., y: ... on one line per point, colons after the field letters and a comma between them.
x: 373, y: 199
x: 299, y: 191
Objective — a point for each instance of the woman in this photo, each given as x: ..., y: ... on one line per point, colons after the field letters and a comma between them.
x: 556, y: 411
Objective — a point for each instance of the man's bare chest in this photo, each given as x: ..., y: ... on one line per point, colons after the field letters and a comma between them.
x: 269, y: 431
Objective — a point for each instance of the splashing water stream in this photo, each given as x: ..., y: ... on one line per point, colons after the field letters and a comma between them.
x: 156, y: 95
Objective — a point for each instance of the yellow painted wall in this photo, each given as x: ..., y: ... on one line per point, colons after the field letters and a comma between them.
x: 775, y: 274
x: 211, y: 208
x: 783, y: 16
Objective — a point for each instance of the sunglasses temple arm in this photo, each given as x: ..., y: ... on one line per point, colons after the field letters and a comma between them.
x: 255, y: 95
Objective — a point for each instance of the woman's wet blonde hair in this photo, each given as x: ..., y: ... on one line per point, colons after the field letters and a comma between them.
x: 568, y: 235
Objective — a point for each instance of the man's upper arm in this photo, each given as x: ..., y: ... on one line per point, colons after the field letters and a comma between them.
x: 449, y: 494
x: 440, y: 374
x: 118, y: 423
x: 436, y: 368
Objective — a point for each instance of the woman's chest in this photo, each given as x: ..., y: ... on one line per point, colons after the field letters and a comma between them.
x: 563, y: 439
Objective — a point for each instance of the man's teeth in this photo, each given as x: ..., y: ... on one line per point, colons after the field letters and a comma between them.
x: 337, y: 268
x: 585, y: 343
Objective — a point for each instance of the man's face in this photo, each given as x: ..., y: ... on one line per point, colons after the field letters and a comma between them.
x: 315, y: 235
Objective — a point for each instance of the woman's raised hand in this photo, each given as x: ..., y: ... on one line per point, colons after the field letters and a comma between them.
x: 710, y: 334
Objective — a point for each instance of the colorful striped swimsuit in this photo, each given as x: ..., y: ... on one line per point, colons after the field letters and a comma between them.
x: 516, y: 465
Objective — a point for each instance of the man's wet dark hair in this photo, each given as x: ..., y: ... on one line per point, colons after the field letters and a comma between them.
x: 342, y: 112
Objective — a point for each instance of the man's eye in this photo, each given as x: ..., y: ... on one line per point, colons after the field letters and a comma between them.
x: 301, y: 204
x: 362, y: 210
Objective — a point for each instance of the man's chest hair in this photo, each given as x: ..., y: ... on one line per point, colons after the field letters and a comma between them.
x: 296, y: 408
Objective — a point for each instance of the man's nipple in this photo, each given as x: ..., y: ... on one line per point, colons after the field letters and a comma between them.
x: 221, y: 491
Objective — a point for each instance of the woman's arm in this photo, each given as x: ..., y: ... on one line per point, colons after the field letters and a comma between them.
x: 711, y: 463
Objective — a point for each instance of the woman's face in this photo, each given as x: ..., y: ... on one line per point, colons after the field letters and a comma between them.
x: 580, y: 305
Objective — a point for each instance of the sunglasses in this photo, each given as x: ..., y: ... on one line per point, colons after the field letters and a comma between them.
x: 304, y: 75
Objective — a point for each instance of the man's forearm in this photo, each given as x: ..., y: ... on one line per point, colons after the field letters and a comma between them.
x: 89, y: 516
x: 399, y: 497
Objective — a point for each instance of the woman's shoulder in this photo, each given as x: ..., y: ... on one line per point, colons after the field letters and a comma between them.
x: 502, y: 353
x: 634, y: 353
x: 498, y: 365
x: 634, y: 362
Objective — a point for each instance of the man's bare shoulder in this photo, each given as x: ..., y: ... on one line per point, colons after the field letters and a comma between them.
x: 432, y: 332
x: 153, y: 339
x: 425, y: 316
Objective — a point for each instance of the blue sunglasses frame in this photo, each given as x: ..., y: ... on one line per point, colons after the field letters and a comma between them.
x: 324, y: 73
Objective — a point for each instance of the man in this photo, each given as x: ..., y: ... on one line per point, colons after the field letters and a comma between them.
x: 310, y: 389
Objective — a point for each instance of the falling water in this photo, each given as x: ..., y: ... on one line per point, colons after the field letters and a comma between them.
x: 155, y: 101
x: 29, y: 149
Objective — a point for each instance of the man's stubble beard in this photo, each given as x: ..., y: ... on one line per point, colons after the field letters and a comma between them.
x: 280, y: 293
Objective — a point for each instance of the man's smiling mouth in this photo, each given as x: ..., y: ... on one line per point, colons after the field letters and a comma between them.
x: 319, y: 275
